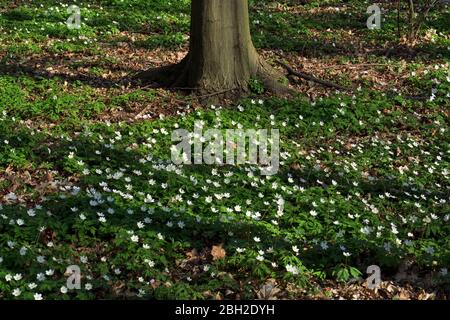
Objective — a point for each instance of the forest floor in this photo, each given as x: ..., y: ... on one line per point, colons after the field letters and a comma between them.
x: 86, y: 176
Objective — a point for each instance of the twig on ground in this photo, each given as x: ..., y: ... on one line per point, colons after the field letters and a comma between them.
x: 357, y: 65
x: 213, y: 94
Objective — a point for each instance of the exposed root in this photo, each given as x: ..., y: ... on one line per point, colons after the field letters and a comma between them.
x: 176, y: 76
x: 165, y: 76
x: 273, y: 80
x: 292, y: 72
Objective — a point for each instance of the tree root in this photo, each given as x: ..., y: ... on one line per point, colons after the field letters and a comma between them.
x: 165, y: 76
x: 272, y: 80
x: 175, y: 76
x: 292, y: 72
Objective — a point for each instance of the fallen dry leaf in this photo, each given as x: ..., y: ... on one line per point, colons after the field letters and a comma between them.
x: 218, y: 252
x: 268, y: 291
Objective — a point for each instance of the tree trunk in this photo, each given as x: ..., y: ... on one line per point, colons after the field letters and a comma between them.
x: 222, y: 57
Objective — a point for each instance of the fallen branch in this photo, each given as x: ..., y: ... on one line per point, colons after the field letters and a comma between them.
x: 213, y: 94
x: 311, y: 78
x: 357, y: 65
